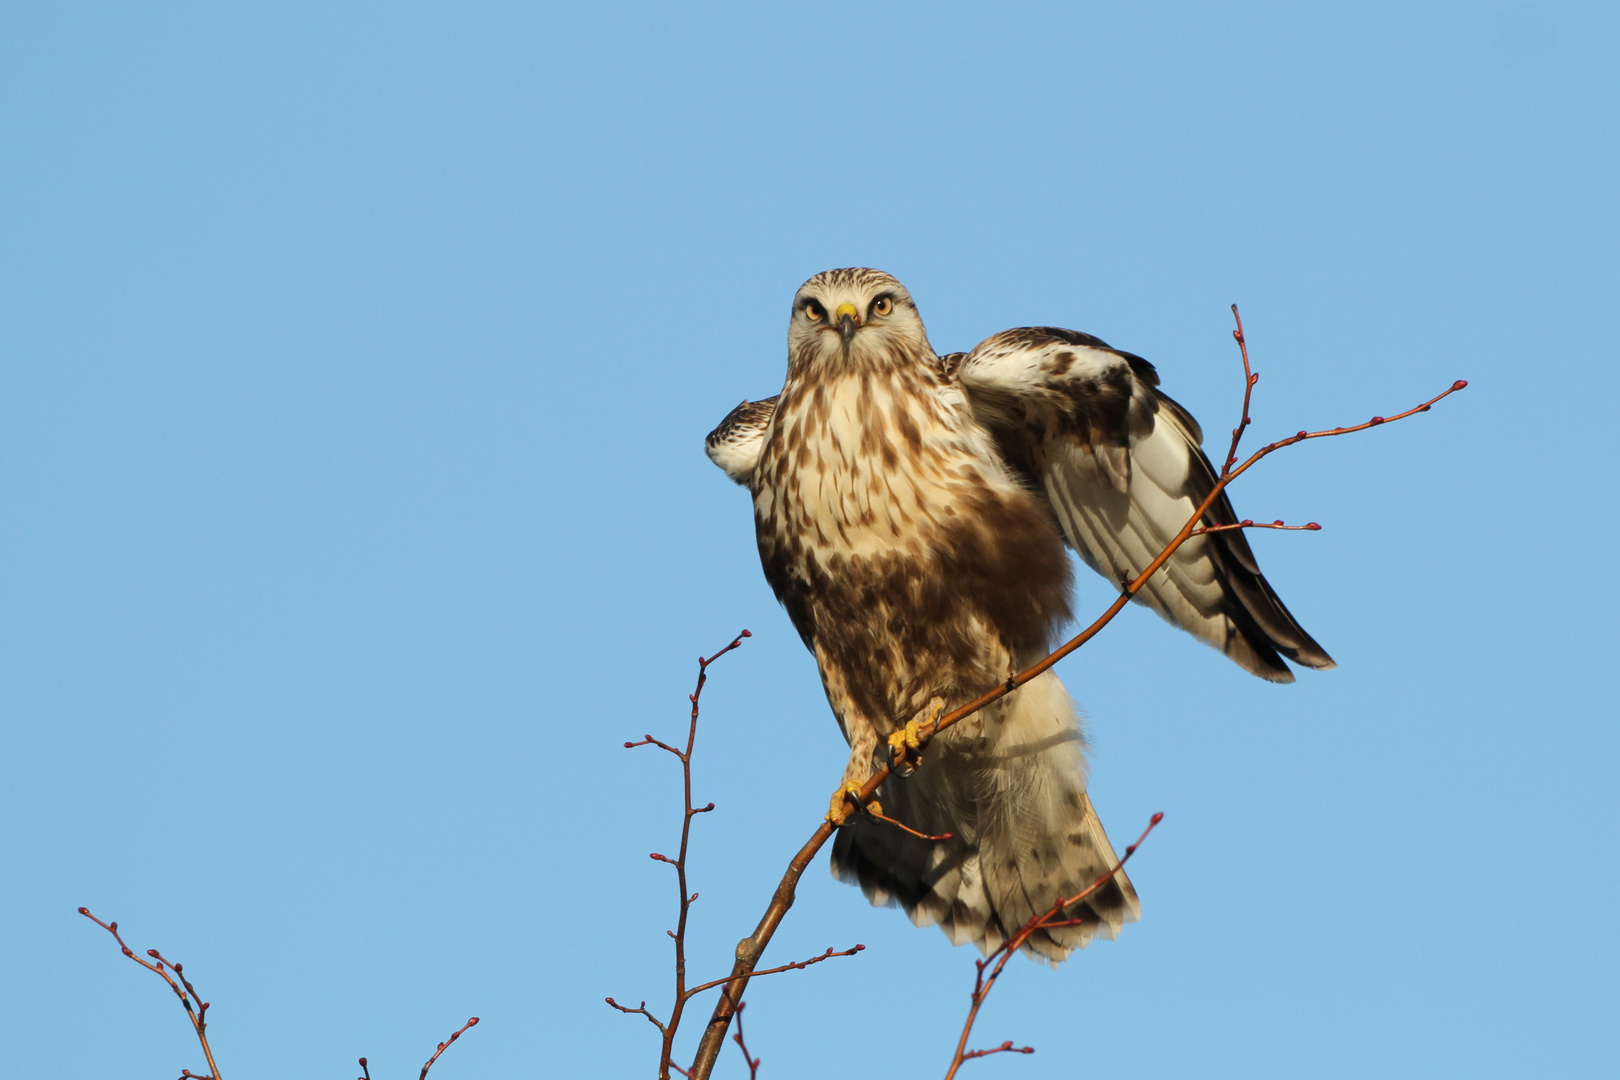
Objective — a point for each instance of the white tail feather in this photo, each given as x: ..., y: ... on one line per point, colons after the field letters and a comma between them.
x: 1024, y: 834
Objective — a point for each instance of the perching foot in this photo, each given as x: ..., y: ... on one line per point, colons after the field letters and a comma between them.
x: 846, y: 800
x: 906, y: 745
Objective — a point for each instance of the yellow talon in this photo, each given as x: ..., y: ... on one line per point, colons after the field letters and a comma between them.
x: 838, y: 811
x: 907, y: 738
x: 845, y: 799
x: 905, y: 745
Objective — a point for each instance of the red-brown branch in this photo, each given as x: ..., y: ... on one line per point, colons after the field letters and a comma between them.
x: 797, y: 965
x: 753, y: 1062
x: 1250, y: 377
x: 902, y: 826
x: 471, y: 1022
x: 1002, y: 953
x: 1248, y: 524
x: 682, y: 994
x: 753, y: 946
x: 198, y: 1015
x: 642, y: 1009
x: 1005, y: 1048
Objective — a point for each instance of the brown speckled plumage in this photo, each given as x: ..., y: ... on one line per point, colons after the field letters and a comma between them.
x: 911, y: 512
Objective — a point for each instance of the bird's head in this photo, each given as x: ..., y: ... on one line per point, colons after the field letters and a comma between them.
x: 854, y: 318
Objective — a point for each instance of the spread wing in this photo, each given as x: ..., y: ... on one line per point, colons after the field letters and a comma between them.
x: 735, y: 444
x: 1122, y: 467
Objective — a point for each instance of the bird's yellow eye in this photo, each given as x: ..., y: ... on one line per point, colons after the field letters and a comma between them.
x: 814, y: 311
x: 883, y: 306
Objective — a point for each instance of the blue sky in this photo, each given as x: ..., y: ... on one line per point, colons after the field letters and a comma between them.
x: 357, y: 360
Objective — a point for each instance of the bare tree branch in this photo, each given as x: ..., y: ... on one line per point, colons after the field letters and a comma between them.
x: 642, y: 1009
x: 684, y: 993
x: 444, y: 1045
x: 198, y: 1015
x: 998, y: 957
x: 1005, y: 1048
x: 1248, y: 524
x: 797, y: 965
x: 753, y: 1062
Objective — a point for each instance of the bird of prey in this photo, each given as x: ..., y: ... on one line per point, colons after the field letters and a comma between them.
x: 911, y: 511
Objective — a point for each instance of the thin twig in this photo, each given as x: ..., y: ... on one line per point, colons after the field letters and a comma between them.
x: 1248, y: 524
x: 797, y: 965
x: 902, y: 826
x: 1004, y: 952
x: 682, y: 994
x: 753, y: 1062
x: 1249, y: 379
x: 753, y: 946
x: 1005, y: 1048
x: 444, y: 1045
x: 198, y: 1015
x: 648, y: 740
x: 642, y: 1009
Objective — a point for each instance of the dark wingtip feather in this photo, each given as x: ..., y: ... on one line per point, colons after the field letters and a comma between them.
x: 1266, y: 633
x: 1252, y: 651
x: 1264, y: 623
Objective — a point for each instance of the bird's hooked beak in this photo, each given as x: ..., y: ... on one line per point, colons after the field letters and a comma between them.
x: 848, y: 320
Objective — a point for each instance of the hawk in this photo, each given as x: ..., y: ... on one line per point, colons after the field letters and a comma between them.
x: 911, y: 511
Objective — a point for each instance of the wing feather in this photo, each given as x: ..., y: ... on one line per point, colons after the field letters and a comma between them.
x: 735, y: 445
x: 1122, y: 466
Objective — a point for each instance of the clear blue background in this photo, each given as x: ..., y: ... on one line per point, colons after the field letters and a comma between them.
x: 357, y: 360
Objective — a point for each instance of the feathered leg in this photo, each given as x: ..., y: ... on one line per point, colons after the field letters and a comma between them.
x: 863, y: 744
